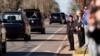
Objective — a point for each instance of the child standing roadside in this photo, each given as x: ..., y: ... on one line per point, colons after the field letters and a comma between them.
x: 70, y: 31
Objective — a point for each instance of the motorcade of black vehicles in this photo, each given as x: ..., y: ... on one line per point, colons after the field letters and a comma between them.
x: 2, y: 39
x: 36, y: 20
x: 16, y: 25
x: 56, y: 18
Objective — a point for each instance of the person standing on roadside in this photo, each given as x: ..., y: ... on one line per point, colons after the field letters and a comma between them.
x: 80, y: 29
x: 70, y: 31
x: 84, y: 21
x: 85, y: 17
x: 94, y: 29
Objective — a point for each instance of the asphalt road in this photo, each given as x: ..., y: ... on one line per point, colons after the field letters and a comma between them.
x: 48, y: 44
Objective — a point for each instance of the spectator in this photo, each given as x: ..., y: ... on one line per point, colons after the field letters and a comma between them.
x: 93, y: 21
x: 80, y: 30
x: 34, y: 15
x: 84, y: 20
x: 85, y: 17
x: 70, y: 31
x: 94, y: 30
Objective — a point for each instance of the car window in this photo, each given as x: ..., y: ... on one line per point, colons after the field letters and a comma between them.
x: 55, y: 14
x: 12, y: 17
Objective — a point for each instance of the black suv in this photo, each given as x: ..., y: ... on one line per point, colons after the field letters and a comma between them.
x: 56, y: 18
x: 2, y: 39
x: 36, y: 20
x: 63, y: 17
x: 16, y: 25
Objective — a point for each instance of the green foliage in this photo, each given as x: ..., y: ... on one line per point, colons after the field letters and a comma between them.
x: 81, y: 51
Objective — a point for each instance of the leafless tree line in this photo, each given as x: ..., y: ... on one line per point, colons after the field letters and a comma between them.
x: 46, y: 6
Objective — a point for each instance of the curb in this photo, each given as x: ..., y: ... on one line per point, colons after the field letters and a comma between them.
x: 60, y: 49
x: 80, y: 54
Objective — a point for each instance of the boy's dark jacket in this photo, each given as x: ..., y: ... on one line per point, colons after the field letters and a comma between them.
x: 70, y: 26
x: 78, y: 24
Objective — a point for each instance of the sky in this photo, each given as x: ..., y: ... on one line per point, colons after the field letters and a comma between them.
x: 64, y: 5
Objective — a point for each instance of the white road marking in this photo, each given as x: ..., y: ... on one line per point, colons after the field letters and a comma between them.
x: 60, y: 47
x: 50, y: 37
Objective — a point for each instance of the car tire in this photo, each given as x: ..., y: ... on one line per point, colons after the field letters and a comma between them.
x: 65, y: 22
x: 4, y: 49
x: 27, y: 38
x: 0, y: 52
x: 61, y: 23
x: 50, y: 23
x: 43, y: 31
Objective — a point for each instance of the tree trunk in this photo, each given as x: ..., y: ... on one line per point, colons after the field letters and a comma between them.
x: 82, y: 4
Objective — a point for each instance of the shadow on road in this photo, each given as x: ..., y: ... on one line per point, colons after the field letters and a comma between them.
x: 57, y: 33
x: 35, y: 54
x: 55, y: 25
x: 38, y: 33
x: 36, y: 40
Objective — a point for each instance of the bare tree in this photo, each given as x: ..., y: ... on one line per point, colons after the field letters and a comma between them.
x: 46, y: 6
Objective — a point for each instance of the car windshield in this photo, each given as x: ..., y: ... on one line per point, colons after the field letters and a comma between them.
x: 12, y: 17
x: 55, y: 14
x: 62, y: 14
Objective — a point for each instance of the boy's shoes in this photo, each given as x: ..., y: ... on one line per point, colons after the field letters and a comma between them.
x: 71, y: 49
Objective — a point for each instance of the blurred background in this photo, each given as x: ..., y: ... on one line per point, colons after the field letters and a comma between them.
x: 46, y: 6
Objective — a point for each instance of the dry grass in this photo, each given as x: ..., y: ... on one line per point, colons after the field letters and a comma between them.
x: 81, y: 51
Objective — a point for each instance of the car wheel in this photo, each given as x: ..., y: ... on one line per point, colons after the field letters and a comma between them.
x: 65, y: 22
x: 0, y: 53
x: 61, y: 23
x: 43, y: 31
x: 27, y: 38
x: 4, y: 48
x: 49, y: 22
